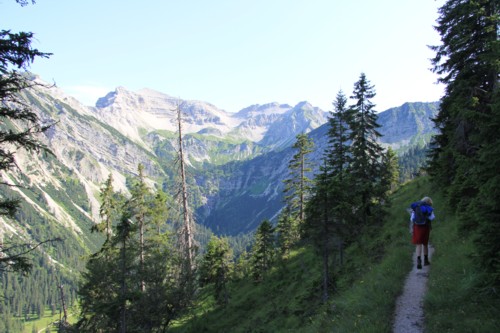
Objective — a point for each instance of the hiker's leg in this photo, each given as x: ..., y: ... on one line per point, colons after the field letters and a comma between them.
x: 419, y: 253
x: 426, y: 255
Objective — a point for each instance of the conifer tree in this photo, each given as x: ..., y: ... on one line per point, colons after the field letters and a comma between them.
x: 288, y: 231
x: 108, y: 209
x: 242, y: 267
x: 262, y: 250
x: 106, y: 283
x: 162, y: 299
x: 390, y: 173
x: 160, y: 211
x: 298, y: 185
x: 365, y: 165
x: 338, y: 159
x: 297, y: 191
x: 139, y: 206
x: 413, y: 162
x: 216, y: 267
x: 19, y: 128
x: 320, y: 224
x: 338, y: 153
x: 128, y: 286
x: 127, y: 270
x: 465, y: 153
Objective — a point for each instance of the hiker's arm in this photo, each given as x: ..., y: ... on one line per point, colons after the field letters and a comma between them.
x: 410, y: 225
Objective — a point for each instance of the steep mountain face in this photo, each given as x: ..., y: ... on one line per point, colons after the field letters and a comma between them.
x: 253, y: 190
x: 237, y: 162
x: 406, y: 125
x: 133, y: 113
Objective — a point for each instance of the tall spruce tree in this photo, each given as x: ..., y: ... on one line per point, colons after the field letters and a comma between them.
x: 320, y: 224
x: 327, y: 211
x: 19, y: 128
x: 338, y: 158
x: 365, y: 165
x: 262, y: 250
x: 108, y: 209
x: 298, y: 185
x: 338, y: 153
x: 139, y: 205
x: 465, y: 153
x: 297, y: 191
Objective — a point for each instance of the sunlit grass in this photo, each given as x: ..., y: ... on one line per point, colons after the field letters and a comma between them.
x: 49, y: 320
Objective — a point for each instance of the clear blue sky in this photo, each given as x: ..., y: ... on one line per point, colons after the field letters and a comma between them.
x: 234, y: 53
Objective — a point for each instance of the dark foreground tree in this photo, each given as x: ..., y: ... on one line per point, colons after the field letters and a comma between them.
x: 320, y: 225
x: 466, y: 152
x: 19, y: 128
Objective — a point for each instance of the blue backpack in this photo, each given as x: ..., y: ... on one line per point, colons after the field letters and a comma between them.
x: 422, y: 212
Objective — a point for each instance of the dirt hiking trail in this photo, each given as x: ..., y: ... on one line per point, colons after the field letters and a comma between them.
x: 409, y: 315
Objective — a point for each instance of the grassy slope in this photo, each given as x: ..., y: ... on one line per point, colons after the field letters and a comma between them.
x: 289, y: 300
x: 366, y: 286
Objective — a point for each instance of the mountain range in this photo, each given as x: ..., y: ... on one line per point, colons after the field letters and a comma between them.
x: 237, y: 161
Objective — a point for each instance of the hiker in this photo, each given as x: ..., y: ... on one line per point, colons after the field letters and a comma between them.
x: 422, y: 215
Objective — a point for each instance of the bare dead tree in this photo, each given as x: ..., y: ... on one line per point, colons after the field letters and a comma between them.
x: 186, y: 230
x: 64, y: 319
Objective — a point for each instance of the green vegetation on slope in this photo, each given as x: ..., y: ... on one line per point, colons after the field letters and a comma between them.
x: 457, y: 300
x: 289, y: 299
x: 366, y: 285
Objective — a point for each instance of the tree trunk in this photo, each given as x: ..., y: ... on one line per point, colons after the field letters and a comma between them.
x: 186, y: 232
x: 326, y: 272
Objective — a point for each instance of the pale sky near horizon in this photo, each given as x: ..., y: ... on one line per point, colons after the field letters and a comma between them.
x: 235, y: 53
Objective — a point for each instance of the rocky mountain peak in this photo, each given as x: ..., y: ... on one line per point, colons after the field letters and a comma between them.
x: 151, y: 110
x: 263, y: 109
x: 106, y: 101
x: 303, y: 105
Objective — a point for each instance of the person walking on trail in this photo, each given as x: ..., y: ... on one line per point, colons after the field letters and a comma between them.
x: 422, y: 215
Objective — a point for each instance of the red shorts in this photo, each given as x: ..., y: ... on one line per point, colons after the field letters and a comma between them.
x: 421, y: 234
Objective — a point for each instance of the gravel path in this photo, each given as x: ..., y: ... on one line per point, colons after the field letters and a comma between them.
x: 409, y: 316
